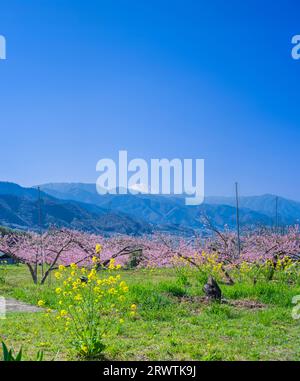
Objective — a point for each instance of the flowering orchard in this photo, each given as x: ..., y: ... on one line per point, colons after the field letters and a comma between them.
x: 90, y: 304
x: 43, y: 253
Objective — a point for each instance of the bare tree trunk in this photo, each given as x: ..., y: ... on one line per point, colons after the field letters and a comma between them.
x: 33, y: 273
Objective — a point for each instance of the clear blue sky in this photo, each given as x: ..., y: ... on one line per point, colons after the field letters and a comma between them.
x: 187, y: 79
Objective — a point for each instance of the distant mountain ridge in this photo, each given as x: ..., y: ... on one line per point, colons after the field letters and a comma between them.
x: 79, y: 206
x: 255, y: 210
x: 288, y: 210
x: 164, y: 212
x: 19, y: 208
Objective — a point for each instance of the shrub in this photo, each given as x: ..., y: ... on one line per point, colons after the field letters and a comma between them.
x: 135, y: 258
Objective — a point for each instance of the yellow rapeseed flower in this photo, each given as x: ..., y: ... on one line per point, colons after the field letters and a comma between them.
x: 98, y: 248
x: 84, y: 348
x: 63, y: 313
x: 57, y: 275
x: 78, y: 297
x: 112, y: 264
x: 92, y: 275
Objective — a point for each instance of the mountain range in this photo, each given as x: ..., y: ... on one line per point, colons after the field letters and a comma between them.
x: 29, y: 209
x: 79, y: 206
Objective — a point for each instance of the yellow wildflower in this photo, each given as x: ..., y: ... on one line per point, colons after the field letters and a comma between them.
x: 84, y: 348
x: 63, y: 313
x: 78, y: 297
x: 57, y: 275
x: 112, y: 264
x: 92, y: 275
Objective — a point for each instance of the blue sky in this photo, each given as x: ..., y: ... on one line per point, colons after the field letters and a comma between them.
x: 185, y: 79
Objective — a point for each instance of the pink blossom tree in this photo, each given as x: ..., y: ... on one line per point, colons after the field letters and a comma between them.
x: 43, y: 253
x: 46, y: 251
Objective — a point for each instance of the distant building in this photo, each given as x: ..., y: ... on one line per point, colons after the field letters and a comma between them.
x: 4, y: 258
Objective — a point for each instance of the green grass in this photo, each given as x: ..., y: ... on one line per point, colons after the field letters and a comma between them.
x: 172, y: 322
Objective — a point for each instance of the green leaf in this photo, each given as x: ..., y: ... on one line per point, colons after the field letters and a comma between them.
x: 19, y: 356
x: 5, y: 352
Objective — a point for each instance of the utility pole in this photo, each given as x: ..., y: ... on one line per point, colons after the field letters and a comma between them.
x: 40, y: 226
x: 40, y: 209
x: 276, y: 214
x: 238, y: 218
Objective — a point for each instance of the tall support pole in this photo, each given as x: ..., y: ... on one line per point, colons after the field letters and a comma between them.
x: 40, y: 209
x: 40, y: 225
x: 238, y: 219
x: 276, y: 214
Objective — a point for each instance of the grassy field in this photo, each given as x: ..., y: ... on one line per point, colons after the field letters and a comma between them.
x: 172, y: 323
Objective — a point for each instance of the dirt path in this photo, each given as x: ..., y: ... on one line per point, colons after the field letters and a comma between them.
x: 13, y: 305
